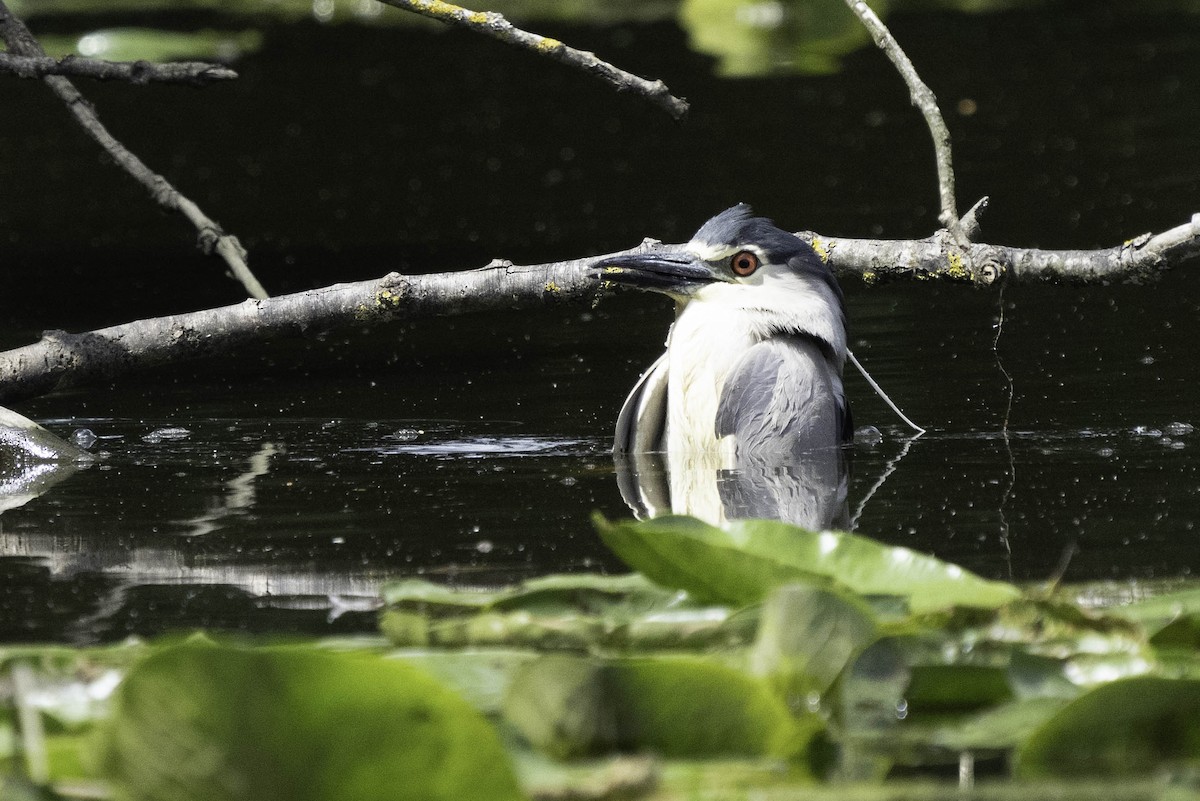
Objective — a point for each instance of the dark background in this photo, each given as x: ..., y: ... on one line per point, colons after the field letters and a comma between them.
x: 347, y: 151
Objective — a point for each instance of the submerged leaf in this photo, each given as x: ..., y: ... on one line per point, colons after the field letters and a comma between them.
x: 807, y: 635
x: 1132, y: 726
x: 744, y: 561
x: 678, y: 707
x: 239, y: 724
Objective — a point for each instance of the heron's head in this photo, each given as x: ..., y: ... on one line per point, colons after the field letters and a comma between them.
x: 749, y: 267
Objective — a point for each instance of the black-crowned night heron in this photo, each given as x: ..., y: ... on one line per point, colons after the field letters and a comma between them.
x: 744, y: 415
x: 754, y: 359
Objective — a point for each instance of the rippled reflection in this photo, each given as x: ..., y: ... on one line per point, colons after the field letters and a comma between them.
x: 809, y: 492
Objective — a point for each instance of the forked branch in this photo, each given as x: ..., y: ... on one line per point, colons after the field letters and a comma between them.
x: 211, y: 238
x: 191, y: 73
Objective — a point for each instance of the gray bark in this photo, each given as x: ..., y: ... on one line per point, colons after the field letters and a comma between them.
x: 60, y: 359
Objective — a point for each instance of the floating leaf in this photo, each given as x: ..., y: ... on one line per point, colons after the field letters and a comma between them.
x: 1172, y: 619
x: 574, y: 612
x: 223, y: 723
x: 1131, y: 726
x: 744, y: 561
x: 480, y: 677
x: 807, y: 635
x: 680, y: 707
x: 582, y: 592
x: 996, y: 729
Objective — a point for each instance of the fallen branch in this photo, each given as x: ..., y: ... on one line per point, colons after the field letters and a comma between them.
x: 191, y: 73
x: 211, y: 238
x: 1136, y: 260
x: 491, y: 23
x: 61, y: 359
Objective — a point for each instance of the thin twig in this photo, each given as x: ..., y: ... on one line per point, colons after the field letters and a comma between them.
x: 1004, y: 429
x: 879, y: 391
x: 924, y: 100
x: 211, y: 237
x: 192, y: 73
x: 491, y: 23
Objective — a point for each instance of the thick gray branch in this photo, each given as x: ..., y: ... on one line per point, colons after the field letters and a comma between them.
x: 211, y: 238
x: 495, y: 25
x: 193, y: 73
x: 60, y: 359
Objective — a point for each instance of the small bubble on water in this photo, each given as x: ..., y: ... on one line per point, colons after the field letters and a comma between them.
x: 870, y: 436
x: 405, y: 434
x: 1146, y: 431
x: 569, y: 481
x: 1147, y: 360
x: 83, y: 438
x: 1105, y: 453
x: 484, y: 546
x: 1179, y: 429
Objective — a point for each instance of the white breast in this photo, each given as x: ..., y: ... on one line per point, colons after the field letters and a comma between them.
x: 705, y: 342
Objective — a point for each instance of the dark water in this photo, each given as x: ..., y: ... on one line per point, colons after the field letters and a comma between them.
x: 475, y: 449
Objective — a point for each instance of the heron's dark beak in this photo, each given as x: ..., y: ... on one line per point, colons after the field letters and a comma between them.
x: 672, y: 272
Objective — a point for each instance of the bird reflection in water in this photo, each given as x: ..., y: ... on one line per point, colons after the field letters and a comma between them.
x: 744, y: 415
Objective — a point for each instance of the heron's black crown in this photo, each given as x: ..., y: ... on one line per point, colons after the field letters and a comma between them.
x: 737, y: 227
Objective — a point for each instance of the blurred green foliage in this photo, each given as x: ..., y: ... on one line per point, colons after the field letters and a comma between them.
x: 744, y: 37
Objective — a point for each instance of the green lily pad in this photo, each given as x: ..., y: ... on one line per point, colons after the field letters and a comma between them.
x: 238, y: 724
x: 1128, y: 727
x: 744, y: 561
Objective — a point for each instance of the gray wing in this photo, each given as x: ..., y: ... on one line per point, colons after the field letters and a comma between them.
x: 642, y: 421
x: 785, y: 409
x: 783, y: 398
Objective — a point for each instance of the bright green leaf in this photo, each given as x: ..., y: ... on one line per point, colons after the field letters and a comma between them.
x: 744, y: 561
x: 239, y: 724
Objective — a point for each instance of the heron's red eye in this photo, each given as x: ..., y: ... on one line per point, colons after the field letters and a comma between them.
x: 744, y: 263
